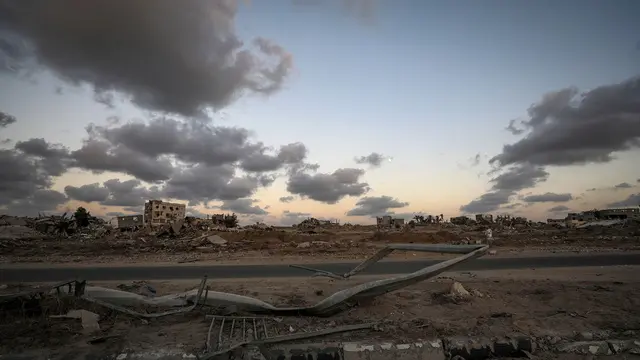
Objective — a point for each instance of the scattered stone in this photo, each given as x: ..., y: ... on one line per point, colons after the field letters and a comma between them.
x: 458, y: 291
x: 492, y: 252
x: 216, y: 240
x: 88, y: 318
x: 585, y: 335
x: 304, y: 245
x: 586, y: 348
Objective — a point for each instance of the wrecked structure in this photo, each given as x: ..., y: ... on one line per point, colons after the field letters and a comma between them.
x: 158, y: 212
x: 484, y: 218
x: 129, y: 221
x: 388, y: 222
x: 574, y: 219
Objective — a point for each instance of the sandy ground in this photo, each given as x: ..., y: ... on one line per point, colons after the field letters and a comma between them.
x: 546, y: 303
x: 291, y: 246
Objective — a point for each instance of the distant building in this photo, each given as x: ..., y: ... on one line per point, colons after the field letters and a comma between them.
x: 387, y: 221
x: 555, y: 221
x: 158, y: 212
x: 484, y: 218
x: 129, y: 221
x: 624, y: 213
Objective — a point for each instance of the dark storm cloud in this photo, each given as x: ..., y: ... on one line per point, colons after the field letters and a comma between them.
x: 201, y: 184
x: 6, y: 120
x: 632, y: 200
x: 114, y: 192
x: 566, y: 129
x: 243, y: 206
x: 376, y: 206
x: 53, y: 158
x: 143, y: 149
x: 559, y: 208
x: 374, y: 159
x: 166, y: 55
x: 548, y: 197
x: 287, y: 199
x: 505, y: 186
x: 21, y: 176
x: 40, y: 201
x: 328, y: 188
x: 129, y: 193
x: 99, y: 156
x: 488, y: 202
x: 513, y: 129
x: 258, y: 161
x: 87, y: 193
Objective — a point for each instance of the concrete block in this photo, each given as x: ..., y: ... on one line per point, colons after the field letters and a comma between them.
x: 586, y: 348
x: 525, y: 343
x: 624, y: 346
x: 505, y: 347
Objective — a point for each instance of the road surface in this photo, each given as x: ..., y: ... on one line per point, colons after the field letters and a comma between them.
x: 23, y: 274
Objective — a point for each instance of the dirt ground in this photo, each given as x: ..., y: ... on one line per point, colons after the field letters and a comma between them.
x: 289, y: 245
x: 548, y: 304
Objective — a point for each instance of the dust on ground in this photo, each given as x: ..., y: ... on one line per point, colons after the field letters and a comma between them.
x: 190, y: 243
x: 548, y: 304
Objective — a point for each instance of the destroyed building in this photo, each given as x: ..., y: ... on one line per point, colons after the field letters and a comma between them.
x: 461, y: 220
x: 129, y: 221
x: 619, y: 214
x: 158, y: 212
x: 484, y: 218
x: 387, y: 222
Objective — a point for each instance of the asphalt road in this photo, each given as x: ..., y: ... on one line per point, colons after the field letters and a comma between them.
x: 255, y: 271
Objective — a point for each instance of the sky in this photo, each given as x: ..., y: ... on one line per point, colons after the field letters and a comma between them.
x: 337, y: 109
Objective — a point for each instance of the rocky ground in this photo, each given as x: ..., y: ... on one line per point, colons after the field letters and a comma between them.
x: 22, y: 244
x: 553, y: 306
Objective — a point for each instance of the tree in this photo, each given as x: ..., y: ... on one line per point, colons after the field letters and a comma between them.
x: 230, y: 221
x: 82, y: 217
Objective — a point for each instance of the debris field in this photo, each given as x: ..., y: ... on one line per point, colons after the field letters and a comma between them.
x: 55, y: 239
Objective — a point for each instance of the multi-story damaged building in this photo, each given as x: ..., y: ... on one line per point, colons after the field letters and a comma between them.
x: 158, y: 212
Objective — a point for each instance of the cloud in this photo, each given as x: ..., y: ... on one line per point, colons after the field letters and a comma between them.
x: 287, y: 199
x: 632, y: 200
x: 243, y: 206
x: 328, y: 188
x: 376, y: 206
x: 196, y: 61
x: 53, y: 158
x: 145, y: 149
x: 564, y: 129
x: 374, y: 159
x: 99, y: 156
x: 292, y: 154
x: 513, y: 129
x: 548, y: 197
x: 511, y: 206
x: 6, y: 120
x: 475, y: 161
x: 559, y: 208
x: 289, y: 218
x: 202, y: 183
x: 115, y: 214
x: 22, y: 176
x: 623, y: 185
x: 87, y: 193
x: 43, y: 200
x: 505, y: 186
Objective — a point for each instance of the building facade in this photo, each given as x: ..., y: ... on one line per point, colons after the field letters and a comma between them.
x: 158, y: 212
